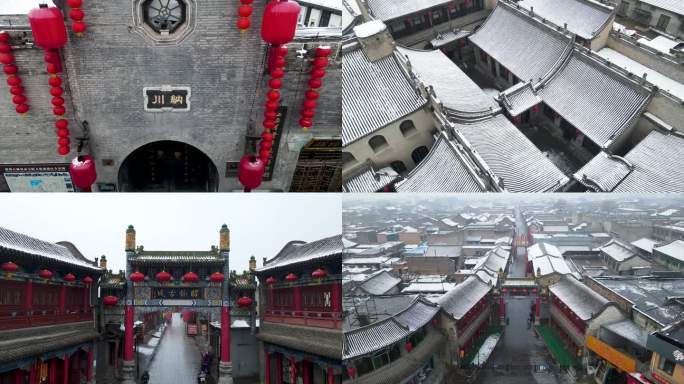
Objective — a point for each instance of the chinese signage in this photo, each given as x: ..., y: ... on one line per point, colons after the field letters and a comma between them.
x: 166, y: 98
x: 177, y: 293
x: 36, y: 178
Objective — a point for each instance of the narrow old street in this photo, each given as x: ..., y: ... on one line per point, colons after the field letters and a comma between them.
x: 178, y: 359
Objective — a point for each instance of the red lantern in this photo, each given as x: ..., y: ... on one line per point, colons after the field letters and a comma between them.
x: 59, y: 111
x: 307, y: 113
x: 56, y: 91
x: 17, y: 90
x: 69, y: 277
x: 47, y: 25
x: 19, y: 99
x: 245, y: 11
x: 279, y: 22
x: 45, y: 274
x: 216, y: 277
x: 136, y: 277
x: 190, y: 277
x: 267, y: 136
x: 7, y: 58
x: 309, y: 104
x: 4, y: 36
x: 52, y: 69
x: 82, y: 171
x: 62, y: 132
x: 312, y: 95
x: 10, y: 69
x: 275, y: 83
x: 5, y: 48
x: 277, y: 73
x: 88, y: 280
x: 320, y: 273
x: 318, y: 73
x: 272, y: 105
x: 273, y: 95
x: 271, y: 280
x: 265, y: 145
x: 305, y: 123
x: 61, y: 123
x: 76, y: 14
x: 10, y: 267
x: 408, y: 346
x: 245, y: 302
x: 320, y: 62
x: 14, y: 81
x: 323, y: 51
x: 291, y: 277
x: 251, y: 172
x: 315, y: 83
x: 110, y: 300
x: 243, y: 24
x: 163, y: 277
x: 55, y: 81
x: 78, y: 28
x: 22, y: 108
x: 271, y: 115
x: 57, y: 101
x: 63, y: 150
x: 269, y: 124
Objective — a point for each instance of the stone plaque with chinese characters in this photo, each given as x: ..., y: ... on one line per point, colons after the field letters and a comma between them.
x: 167, y: 99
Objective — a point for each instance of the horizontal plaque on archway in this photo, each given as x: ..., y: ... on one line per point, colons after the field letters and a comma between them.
x: 167, y: 98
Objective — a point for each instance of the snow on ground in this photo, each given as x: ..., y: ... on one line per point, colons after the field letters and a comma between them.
x: 663, y: 82
x: 486, y: 349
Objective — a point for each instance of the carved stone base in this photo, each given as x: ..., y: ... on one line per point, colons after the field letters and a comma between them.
x: 225, y: 373
x: 128, y: 372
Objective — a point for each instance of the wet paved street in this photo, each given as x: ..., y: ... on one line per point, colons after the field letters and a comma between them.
x: 178, y: 359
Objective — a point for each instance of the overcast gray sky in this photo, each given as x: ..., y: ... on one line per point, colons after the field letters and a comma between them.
x: 260, y: 223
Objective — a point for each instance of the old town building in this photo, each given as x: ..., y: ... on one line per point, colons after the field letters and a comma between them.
x: 170, y: 101
x: 300, y: 313
x: 47, y: 321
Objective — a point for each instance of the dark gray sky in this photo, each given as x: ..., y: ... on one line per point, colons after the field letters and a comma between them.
x: 260, y: 223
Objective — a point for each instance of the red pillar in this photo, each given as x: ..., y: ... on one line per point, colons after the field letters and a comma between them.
x: 32, y: 374
x: 89, y: 367
x: 19, y: 376
x: 298, y: 299
x: 52, y: 371
x: 62, y: 298
x: 279, y: 368
x: 337, y: 297
x: 86, y: 298
x: 293, y: 370
x: 306, y: 372
x: 66, y: 370
x: 225, y: 334
x: 128, y: 333
x: 331, y: 377
x: 502, y: 309
x: 28, y: 302
x: 267, y: 364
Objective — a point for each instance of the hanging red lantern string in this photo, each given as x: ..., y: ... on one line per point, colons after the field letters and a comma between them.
x: 13, y: 80
x: 277, y: 64
x: 76, y: 14
x: 49, y: 33
x: 318, y: 65
x: 244, y: 12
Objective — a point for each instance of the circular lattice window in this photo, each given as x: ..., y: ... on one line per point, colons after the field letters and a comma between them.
x: 164, y: 15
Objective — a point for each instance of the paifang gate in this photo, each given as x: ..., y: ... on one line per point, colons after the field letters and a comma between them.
x: 160, y: 281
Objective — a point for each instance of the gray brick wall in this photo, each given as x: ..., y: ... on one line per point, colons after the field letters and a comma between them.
x: 108, y: 68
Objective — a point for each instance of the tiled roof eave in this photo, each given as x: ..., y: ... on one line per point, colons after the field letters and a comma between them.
x: 21, y: 253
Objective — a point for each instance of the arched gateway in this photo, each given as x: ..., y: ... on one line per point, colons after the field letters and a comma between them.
x: 165, y: 281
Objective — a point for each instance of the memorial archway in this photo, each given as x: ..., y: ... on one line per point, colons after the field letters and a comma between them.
x: 167, y: 166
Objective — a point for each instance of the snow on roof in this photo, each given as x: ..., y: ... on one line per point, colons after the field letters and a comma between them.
x: 296, y: 252
x: 543, y: 249
x: 449, y: 222
x: 374, y: 94
x: 577, y: 92
x: 674, y: 250
x: 369, y: 29
x: 431, y: 287
x: 547, y: 259
x: 392, y: 9
x: 369, y: 180
x: 380, y: 284
x: 656, y: 164
x: 511, y: 155
x: 659, y: 43
x: 444, y: 169
x: 663, y: 82
x: 618, y: 251
x: 645, y: 244
x: 676, y: 6
x: 523, y: 45
x: 584, y: 18
x: 628, y: 330
x: 459, y: 300
x: 457, y: 92
x: 583, y: 301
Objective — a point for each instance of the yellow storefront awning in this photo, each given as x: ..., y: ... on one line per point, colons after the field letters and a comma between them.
x: 611, y: 355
